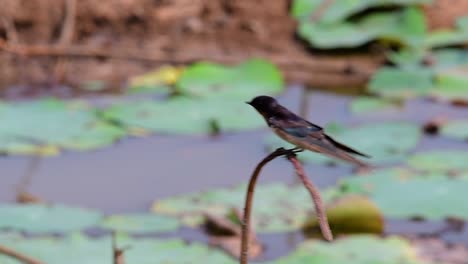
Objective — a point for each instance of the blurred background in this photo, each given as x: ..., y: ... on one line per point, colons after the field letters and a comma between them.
x: 128, y: 117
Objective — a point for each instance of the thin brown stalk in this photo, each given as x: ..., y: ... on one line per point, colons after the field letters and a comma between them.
x: 245, y: 239
x: 16, y: 255
x: 315, y: 194
x: 118, y: 253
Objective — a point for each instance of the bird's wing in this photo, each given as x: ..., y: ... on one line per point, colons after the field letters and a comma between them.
x: 311, y: 133
x: 297, y: 127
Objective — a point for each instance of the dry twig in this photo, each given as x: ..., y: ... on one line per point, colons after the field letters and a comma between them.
x: 250, y: 193
x: 16, y: 255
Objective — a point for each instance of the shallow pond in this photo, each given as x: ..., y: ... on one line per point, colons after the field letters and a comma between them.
x: 129, y: 176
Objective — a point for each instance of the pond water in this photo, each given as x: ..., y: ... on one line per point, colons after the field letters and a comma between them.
x: 129, y: 176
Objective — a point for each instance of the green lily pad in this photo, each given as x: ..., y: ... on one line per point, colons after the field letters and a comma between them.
x: 371, y: 104
x: 452, y: 84
x: 385, y: 142
x: 278, y: 208
x: 365, y: 249
x: 403, y: 194
x: 446, y: 37
x: 457, y: 129
x: 340, y: 10
x: 35, y: 218
x: 406, y: 28
x: 79, y: 249
x: 185, y: 116
x: 241, y: 82
x: 158, y: 80
x: 140, y: 223
x: 28, y: 127
x: 399, y: 83
x: 440, y: 160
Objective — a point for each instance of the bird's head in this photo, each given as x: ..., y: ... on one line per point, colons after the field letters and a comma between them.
x: 265, y: 105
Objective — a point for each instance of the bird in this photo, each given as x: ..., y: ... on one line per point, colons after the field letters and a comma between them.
x: 302, y: 133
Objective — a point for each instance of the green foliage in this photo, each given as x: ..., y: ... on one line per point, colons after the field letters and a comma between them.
x: 277, y: 207
x: 44, y: 218
x: 185, y: 116
x: 406, y: 28
x: 406, y: 194
x: 211, y: 97
x: 457, y: 129
x: 78, y: 249
x: 29, y: 127
x: 241, y: 82
x: 446, y: 37
x: 140, y: 223
x: 400, y: 83
x: 363, y: 104
x: 385, y: 142
x: 440, y: 160
x: 354, y: 250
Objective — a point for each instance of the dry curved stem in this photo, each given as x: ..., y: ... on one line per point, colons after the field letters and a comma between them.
x: 245, y: 239
x: 291, y: 155
x: 16, y: 255
x: 315, y: 194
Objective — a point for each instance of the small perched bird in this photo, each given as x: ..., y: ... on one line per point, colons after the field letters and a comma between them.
x: 302, y: 133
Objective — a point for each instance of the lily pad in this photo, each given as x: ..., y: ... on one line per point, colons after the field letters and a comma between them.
x: 402, y: 194
x: 338, y: 11
x: 365, y: 249
x: 406, y: 28
x: 440, y: 160
x: 278, y: 208
x: 79, y: 249
x: 400, y: 83
x: 379, y: 140
x: 241, y: 82
x: 29, y: 127
x: 37, y: 218
x: 457, y: 129
x: 158, y: 80
x: 452, y: 84
x: 447, y: 37
x: 363, y: 104
x: 185, y: 116
x: 140, y: 223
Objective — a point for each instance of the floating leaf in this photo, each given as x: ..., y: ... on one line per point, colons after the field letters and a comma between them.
x: 352, y: 214
x: 241, y: 82
x: 340, y: 10
x: 185, y: 116
x: 44, y: 126
x: 404, y: 194
x: 365, y: 249
x: 452, y: 84
x: 457, y: 129
x: 397, y: 83
x: 78, y: 249
x: 377, y: 140
x: 157, y: 80
x: 407, y: 28
x: 440, y: 160
x: 370, y: 104
x: 37, y: 218
x: 277, y: 207
x: 140, y: 223
x: 446, y: 37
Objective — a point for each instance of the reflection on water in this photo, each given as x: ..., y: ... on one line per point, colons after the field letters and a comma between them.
x: 130, y: 175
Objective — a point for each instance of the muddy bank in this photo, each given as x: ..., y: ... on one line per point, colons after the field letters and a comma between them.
x: 44, y: 43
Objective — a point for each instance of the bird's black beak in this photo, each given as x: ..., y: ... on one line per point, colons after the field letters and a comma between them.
x: 249, y: 103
